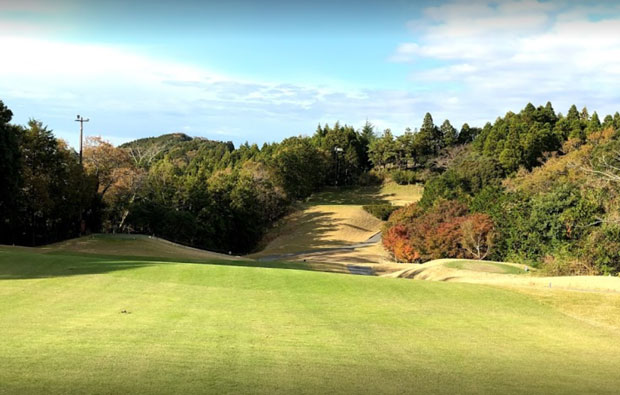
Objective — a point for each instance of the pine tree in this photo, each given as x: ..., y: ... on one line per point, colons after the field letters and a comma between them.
x: 368, y: 132
x: 573, y: 114
x: 448, y: 134
x: 594, y: 125
x: 608, y: 122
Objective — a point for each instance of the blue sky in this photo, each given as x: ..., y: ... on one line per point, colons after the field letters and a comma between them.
x: 261, y: 71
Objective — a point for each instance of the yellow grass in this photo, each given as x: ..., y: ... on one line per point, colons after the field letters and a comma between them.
x: 440, y: 270
x: 370, y: 255
x: 133, y: 245
x: 335, y: 218
x: 400, y: 195
x: 322, y: 226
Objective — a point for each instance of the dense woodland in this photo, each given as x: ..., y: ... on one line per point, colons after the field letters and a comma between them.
x: 533, y: 187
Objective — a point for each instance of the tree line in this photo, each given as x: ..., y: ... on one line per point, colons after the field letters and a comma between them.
x: 195, y: 191
x: 534, y: 186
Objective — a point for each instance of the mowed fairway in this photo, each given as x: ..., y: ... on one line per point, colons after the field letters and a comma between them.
x: 232, y: 328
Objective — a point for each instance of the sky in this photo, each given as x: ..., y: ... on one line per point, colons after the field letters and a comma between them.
x: 254, y: 71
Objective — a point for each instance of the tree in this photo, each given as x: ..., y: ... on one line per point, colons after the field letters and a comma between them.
x: 105, y: 162
x: 594, y: 124
x: 299, y: 167
x: 445, y: 230
x: 477, y: 234
x: 382, y: 151
x: 428, y: 139
x: 368, y: 132
x: 448, y: 134
x: 467, y: 134
x: 10, y: 174
x: 56, y: 193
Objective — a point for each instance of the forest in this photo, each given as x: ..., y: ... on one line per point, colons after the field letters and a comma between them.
x: 535, y: 187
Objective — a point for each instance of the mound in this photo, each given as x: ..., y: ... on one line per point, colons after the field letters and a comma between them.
x: 133, y: 245
x: 495, y: 273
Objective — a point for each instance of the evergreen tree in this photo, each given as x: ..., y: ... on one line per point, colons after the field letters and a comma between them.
x: 608, y: 122
x: 368, y: 132
x: 594, y: 124
x: 573, y: 113
x: 448, y: 134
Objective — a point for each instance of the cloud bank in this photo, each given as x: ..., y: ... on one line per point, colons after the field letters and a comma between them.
x: 497, y: 56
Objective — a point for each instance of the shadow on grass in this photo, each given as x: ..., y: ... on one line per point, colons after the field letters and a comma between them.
x: 33, y: 265
x: 350, y: 195
x: 302, y: 231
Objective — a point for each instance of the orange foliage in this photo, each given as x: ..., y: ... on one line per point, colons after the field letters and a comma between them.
x: 444, y: 231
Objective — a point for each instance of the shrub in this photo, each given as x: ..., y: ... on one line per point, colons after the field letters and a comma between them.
x: 396, y: 241
x: 404, y: 177
x: 372, y: 177
x: 381, y: 211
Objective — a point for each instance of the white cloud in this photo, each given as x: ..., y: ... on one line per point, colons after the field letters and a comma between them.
x: 126, y: 94
x: 497, y: 56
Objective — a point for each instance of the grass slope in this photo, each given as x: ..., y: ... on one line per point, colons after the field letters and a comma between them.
x: 335, y: 218
x: 228, y: 328
x: 133, y: 245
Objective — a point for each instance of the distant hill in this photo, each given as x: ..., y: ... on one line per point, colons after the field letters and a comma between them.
x: 147, y: 150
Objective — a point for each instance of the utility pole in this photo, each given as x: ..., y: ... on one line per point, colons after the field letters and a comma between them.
x: 337, y: 150
x: 81, y: 120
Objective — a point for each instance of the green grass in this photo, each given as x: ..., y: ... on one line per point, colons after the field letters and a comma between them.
x: 230, y: 328
x: 484, y: 266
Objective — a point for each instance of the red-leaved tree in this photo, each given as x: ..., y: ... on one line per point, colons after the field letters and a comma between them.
x: 446, y: 230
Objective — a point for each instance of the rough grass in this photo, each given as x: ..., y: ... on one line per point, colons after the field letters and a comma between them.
x: 229, y: 328
x: 321, y: 226
x: 484, y: 266
x: 389, y: 192
x: 133, y: 245
x: 335, y: 218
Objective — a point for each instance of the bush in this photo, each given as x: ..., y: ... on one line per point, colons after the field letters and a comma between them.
x: 369, y: 178
x: 446, y: 230
x: 381, y: 211
x: 404, y: 177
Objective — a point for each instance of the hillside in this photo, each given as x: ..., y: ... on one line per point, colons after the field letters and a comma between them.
x: 90, y: 324
x: 335, y: 218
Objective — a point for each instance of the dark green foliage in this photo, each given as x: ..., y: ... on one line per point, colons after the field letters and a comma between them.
x: 467, y: 134
x: 10, y: 173
x: 300, y: 167
x: 51, y: 198
x: 465, y: 177
x: 404, y: 177
x: 520, y: 140
x: 345, y: 151
x: 449, y: 135
x: 381, y: 211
